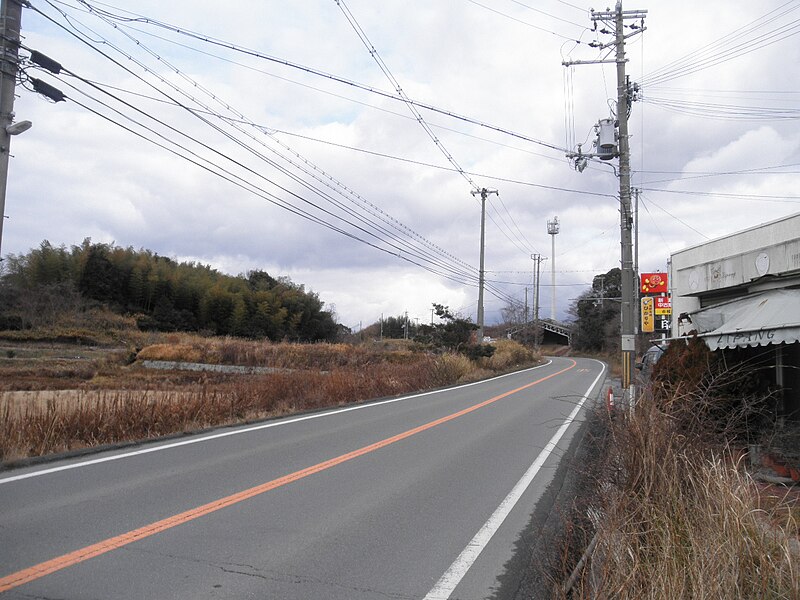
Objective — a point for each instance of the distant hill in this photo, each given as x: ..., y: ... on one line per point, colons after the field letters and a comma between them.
x: 163, y: 294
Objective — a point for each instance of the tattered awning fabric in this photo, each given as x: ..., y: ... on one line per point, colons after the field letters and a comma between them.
x: 771, y: 317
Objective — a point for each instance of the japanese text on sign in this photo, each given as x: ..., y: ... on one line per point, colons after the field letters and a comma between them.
x: 648, y: 316
x: 663, y: 305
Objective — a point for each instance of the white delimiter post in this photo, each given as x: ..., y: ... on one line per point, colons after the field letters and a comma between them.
x: 552, y: 229
x: 10, y: 19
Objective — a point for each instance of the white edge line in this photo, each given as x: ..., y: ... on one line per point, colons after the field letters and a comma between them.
x: 452, y: 577
x: 238, y: 431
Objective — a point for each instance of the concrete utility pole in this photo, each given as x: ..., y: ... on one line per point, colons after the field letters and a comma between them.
x: 617, y: 18
x: 537, y: 259
x: 483, y: 194
x: 636, y: 293
x: 552, y: 230
x: 626, y: 215
x: 10, y: 23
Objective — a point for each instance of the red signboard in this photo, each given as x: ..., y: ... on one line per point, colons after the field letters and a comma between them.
x: 653, y: 283
x: 663, y: 305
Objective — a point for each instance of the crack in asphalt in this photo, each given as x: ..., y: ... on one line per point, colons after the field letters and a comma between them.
x: 271, y: 575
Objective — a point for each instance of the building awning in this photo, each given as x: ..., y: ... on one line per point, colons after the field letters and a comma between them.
x: 771, y: 317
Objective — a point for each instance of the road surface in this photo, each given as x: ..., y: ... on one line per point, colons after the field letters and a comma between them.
x: 415, y: 497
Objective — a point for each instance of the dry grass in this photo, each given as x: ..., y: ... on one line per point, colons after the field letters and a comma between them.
x: 509, y: 354
x: 680, y: 520
x: 116, y: 402
x: 233, y: 351
x: 96, y: 326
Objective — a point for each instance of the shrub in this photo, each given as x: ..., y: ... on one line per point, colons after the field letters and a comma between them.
x: 171, y: 352
x: 449, y: 368
x: 708, y: 398
x: 509, y: 354
x: 478, y: 351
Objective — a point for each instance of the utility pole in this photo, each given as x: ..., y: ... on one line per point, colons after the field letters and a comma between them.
x: 10, y: 24
x: 552, y: 230
x: 616, y: 19
x: 483, y: 194
x: 626, y: 216
x: 636, y: 291
x: 537, y: 259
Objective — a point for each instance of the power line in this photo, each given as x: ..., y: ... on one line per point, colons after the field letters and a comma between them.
x: 495, y: 292
x: 728, y: 112
x: 531, y: 25
x: 679, y: 220
x: 758, y: 197
x: 239, y: 164
x: 394, y: 223
x: 362, y: 35
x: 513, y: 238
x: 687, y: 175
x: 541, y: 12
x: 255, y: 54
x: 739, y: 42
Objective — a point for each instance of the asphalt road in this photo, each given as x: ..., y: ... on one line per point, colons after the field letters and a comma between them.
x: 417, y: 497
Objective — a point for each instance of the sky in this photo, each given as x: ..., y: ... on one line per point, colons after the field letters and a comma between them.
x: 277, y: 135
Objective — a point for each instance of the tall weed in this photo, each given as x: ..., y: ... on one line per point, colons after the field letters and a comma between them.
x: 681, y: 519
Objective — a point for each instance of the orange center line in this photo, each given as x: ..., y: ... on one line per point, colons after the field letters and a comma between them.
x: 24, y: 576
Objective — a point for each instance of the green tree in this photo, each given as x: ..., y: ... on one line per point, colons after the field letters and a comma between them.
x: 238, y: 321
x: 100, y: 280
x: 171, y: 295
x: 597, y: 314
x: 452, y: 332
x: 395, y: 327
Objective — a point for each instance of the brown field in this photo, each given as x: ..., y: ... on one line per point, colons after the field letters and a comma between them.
x: 58, y: 396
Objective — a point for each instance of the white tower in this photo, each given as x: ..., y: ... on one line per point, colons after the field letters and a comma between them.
x: 552, y: 229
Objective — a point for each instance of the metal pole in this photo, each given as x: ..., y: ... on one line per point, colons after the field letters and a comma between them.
x: 10, y: 24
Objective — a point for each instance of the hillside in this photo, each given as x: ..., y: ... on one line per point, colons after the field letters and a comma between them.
x: 39, y: 288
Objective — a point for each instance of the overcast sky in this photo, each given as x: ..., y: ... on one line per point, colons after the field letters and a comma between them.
x: 390, y: 223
